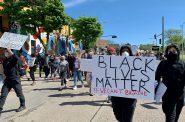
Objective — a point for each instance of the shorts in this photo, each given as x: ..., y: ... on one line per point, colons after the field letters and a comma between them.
x: 63, y: 74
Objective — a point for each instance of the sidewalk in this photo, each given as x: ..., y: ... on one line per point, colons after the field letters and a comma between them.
x: 46, y: 104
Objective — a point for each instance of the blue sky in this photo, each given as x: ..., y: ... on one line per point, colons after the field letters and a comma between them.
x: 133, y: 21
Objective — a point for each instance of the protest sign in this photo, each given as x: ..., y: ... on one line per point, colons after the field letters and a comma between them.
x: 31, y: 62
x: 130, y: 77
x: 12, y: 40
x: 86, y: 64
x: 160, y: 92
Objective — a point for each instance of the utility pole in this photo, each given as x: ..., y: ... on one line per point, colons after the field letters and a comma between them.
x: 163, y: 33
x: 182, y: 41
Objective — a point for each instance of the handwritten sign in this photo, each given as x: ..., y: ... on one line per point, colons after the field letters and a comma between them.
x: 86, y: 64
x: 12, y: 40
x: 31, y: 62
x: 130, y: 77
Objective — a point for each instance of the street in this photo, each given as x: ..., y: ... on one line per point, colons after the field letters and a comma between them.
x: 46, y: 104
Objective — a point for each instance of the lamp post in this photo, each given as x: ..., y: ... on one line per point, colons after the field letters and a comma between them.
x: 113, y: 36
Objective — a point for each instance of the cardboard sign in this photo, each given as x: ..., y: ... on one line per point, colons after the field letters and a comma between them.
x: 31, y: 62
x: 130, y: 77
x: 86, y: 64
x: 12, y: 40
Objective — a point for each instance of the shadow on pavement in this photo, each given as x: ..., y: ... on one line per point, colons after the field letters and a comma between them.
x: 8, y: 111
x: 46, y: 89
x: 90, y: 103
x: 69, y: 95
x: 148, y: 106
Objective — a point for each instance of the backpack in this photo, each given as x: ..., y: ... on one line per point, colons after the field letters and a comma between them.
x: 63, y: 66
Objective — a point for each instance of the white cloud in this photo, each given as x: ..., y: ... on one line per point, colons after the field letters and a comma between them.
x: 74, y: 3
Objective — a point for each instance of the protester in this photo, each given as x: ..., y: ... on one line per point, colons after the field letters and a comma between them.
x: 51, y: 64
x: 124, y: 108
x: 12, y: 80
x: 89, y: 74
x: 71, y: 60
x: 172, y: 72
x: 56, y: 64
x: 64, y: 70
x: 40, y: 60
x: 33, y: 68
x: 46, y: 66
x: 77, y: 71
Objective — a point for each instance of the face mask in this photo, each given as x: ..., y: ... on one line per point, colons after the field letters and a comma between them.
x: 125, y: 54
x: 6, y: 54
x: 172, y: 56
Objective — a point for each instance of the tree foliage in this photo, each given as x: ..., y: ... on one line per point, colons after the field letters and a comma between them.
x: 87, y: 29
x: 146, y: 47
x: 174, y: 36
x: 36, y: 13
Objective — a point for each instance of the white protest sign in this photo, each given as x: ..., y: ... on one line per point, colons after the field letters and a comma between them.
x: 130, y: 77
x: 12, y: 40
x: 86, y: 64
x: 160, y: 92
x: 31, y: 62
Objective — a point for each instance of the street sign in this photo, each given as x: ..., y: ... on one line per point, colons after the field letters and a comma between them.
x: 155, y: 48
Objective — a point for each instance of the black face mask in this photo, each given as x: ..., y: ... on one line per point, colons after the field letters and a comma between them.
x: 172, y: 56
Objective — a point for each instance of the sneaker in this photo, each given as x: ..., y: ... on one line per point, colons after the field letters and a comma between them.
x: 90, y: 94
x: 60, y: 89
x: 21, y: 108
x: 82, y: 85
x: 74, y: 88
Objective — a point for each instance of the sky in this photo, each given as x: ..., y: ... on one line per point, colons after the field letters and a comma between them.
x: 132, y: 21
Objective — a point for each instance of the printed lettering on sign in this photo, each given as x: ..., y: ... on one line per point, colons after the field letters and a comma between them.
x: 12, y: 40
x: 131, y: 77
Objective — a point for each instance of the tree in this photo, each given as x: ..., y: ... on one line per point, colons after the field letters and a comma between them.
x: 10, y: 8
x: 174, y: 36
x: 146, y: 47
x: 46, y: 13
x: 87, y: 30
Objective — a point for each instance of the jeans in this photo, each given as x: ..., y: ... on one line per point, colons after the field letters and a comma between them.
x: 6, y: 89
x: 77, y: 75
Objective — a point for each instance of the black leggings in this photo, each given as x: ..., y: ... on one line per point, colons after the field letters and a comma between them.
x: 172, y: 109
x: 32, y: 74
x: 123, y: 108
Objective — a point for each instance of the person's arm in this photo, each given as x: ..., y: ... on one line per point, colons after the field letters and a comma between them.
x: 158, y: 73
